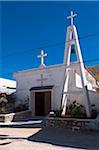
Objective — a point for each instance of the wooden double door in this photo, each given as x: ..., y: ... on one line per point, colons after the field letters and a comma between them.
x: 42, y: 103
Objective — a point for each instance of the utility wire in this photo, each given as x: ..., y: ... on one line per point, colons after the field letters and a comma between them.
x: 90, y: 60
x: 49, y: 45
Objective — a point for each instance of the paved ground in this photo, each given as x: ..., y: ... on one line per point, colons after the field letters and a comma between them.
x: 36, y: 138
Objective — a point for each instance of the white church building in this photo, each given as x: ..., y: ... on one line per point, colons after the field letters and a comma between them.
x: 51, y: 87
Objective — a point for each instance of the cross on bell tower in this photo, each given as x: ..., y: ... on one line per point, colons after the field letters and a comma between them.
x: 41, y: 56
x: 71, y: 17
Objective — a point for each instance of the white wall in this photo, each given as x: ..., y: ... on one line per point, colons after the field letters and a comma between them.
x: 94, y: 97
x: 55, y: 76
x: 28, y: 79
x: 7, y: 83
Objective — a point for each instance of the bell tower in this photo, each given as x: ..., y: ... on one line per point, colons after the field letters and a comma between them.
x: 72, y: 40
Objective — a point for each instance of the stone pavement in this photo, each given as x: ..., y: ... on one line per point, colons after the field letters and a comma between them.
x: 37, y: 138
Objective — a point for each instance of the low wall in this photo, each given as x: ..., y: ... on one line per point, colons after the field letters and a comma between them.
x: 7, y: 117
x: 89, y: 124
x: 19, y: 116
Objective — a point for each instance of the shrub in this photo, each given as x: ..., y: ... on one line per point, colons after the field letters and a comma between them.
x: 58, y: 112
x: 2, y: 110
x: 3, y: 103
x: 11, y: 98
x: 75, y: 110
x: 21, y: 107
x: 94, y: 112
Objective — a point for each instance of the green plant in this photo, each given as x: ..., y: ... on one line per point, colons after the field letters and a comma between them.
x: 75, y: 110
x: 11, y: 98
x: 3, y: 103
x: 21, y: 107
x: 94, y: 112
x: 57, y: 112
x: 2, y: 110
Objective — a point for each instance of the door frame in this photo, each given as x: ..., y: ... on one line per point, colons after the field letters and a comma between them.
x: 32, y: 99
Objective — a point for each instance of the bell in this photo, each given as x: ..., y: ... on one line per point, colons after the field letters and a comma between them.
x: 72, y: 49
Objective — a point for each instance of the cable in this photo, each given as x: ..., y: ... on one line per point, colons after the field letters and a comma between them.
x: 58, y: 43
x: 90, y: 60
x: 26, y: 51
x: 50, y: 45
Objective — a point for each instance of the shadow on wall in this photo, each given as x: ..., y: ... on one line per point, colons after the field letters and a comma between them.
x: 66, y: 138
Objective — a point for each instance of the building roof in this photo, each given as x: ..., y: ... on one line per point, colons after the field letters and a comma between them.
x: 94, y: 71
x: 7, y: 83
x: 37, y: 69
x: 7, y: 86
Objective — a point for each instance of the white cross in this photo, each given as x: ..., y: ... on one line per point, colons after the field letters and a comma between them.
x: 42, y: 79
x: 71, y: 17
x: 42, y: 55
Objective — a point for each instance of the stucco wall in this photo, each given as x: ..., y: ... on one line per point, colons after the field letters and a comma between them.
x: 7, y: 83
x: 55, y: 76
x: 28, y: 79
x: 94, y: 97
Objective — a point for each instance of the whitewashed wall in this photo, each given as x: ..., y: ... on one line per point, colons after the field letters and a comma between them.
x: 7, y: 83
x: 28, y: 79
x: 55, y: 76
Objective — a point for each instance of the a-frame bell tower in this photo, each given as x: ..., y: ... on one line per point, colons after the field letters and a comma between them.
x: 72, y: 39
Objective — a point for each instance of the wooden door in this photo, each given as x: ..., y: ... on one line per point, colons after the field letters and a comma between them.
x: 39, y: 104
x: 47, y: 102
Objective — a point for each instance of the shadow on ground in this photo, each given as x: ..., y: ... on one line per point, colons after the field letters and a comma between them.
x: 67, y: 138
x: 4, y: 139
x: 6, y: 143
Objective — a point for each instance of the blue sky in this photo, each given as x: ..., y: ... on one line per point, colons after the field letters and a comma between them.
x: 27, y: 27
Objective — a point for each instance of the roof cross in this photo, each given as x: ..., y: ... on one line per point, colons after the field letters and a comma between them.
x: 42, y: 55
x: 71, y: 17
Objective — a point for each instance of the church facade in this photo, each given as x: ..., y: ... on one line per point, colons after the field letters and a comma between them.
x: 44, y: 88
x: 50, y: 87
